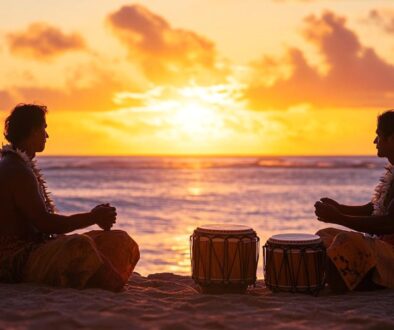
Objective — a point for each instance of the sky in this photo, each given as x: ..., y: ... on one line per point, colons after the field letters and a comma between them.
x: 201, y: 77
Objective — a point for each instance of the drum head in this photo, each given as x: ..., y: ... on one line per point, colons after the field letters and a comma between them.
x: 294, y: 239
x: 224, y: 229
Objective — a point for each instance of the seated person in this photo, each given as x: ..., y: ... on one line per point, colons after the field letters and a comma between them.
x: 357, y: 260
x: 33, y: 247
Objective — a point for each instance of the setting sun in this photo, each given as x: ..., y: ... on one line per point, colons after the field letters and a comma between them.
x: 196, y: 119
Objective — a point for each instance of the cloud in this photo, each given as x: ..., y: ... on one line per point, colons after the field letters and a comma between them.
x: 96, y: 96
x: 383, y: 18
x: 165, y: 53
x: 356, y: 76
x: 41, y: 42
x: 6, y: 100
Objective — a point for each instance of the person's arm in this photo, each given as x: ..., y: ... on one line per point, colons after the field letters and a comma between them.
x: 29, y: 202
x: 354, y: 210
x: 378, y: 225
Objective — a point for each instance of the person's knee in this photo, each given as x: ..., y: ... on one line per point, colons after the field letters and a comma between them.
x: 344, y: 236
x: 121, y: 234
x: 79, y: 243
x: 326, y: 231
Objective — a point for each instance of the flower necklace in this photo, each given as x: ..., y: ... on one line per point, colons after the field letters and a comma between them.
x: 31, y: 163
x: 382, y: 190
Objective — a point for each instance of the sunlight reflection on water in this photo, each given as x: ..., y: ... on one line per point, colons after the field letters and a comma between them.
x: 160, y: 205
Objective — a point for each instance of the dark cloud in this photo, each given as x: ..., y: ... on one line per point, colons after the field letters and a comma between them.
x: 356, y: 77
x: 383, y: 18
x: 41, y: 41
x: 165, y: 53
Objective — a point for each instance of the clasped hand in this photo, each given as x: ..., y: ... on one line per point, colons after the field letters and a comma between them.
x: 104, y: 216
x: 327, y: 210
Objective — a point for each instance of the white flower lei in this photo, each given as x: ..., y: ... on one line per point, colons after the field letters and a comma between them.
x: 31, y: 163
x: 381, y: 191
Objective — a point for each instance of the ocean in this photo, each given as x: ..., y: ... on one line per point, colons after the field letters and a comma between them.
x: 161, y: 200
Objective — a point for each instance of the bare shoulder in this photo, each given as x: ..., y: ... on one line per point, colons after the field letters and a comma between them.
x: 13, y: 169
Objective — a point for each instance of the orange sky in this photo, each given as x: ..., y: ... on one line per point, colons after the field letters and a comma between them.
x: 201, y: 77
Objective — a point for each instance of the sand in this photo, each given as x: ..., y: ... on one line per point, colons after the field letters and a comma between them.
x: 168, y: 301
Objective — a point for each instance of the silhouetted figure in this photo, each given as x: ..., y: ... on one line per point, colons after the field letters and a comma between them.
x: 357, y: 260
x: 33, y: 246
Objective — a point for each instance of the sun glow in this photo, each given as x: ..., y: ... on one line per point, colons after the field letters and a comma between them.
x: 194, y: 118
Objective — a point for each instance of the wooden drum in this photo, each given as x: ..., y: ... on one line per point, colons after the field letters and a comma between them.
x: 294, y: 262
x: 224, y: 258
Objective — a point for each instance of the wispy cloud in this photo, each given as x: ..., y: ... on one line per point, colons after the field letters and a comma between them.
x: 41, y: 41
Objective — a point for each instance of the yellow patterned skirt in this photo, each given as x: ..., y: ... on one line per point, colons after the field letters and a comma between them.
x: 355, y: 255
x: 97, y: 258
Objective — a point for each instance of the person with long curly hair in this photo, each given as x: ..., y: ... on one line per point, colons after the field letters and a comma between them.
x: 34, y: 246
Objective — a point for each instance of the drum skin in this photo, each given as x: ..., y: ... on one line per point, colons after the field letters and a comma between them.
x: 294, y: 263
x: 224, y: 258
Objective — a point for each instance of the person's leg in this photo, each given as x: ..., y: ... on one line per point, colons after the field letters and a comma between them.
x: 367, y: 283
x: 327, y: 235
x: 118, y: 248
x: 106, y: 278
x: 383, y: 253
x: 334, y: 279
x: 71, y: 261
x: 350, y: 260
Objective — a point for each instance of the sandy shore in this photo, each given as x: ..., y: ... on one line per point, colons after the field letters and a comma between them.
x: 168, y: 301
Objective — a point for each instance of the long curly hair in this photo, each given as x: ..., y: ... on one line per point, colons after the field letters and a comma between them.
x: 22, y: 120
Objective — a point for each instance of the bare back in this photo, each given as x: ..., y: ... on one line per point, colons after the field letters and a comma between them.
x: 13, y: 222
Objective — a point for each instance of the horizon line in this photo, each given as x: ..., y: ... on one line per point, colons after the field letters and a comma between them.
x: 208, y: 155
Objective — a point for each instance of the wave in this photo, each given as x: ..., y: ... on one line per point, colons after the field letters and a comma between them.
x: 321, y: 163
x: 194, y: 163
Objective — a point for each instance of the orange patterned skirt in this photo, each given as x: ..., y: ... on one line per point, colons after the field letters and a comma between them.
x: 103, y: 259
x: 355, y: 255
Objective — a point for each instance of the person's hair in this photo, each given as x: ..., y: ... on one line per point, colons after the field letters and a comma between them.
x: 22, y: 120
x: 386, y: 123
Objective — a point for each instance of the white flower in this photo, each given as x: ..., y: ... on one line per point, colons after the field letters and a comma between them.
x: 381, y: 191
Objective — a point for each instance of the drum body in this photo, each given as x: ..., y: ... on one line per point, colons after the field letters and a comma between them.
x: 224, y: 258
x: 294, y: 263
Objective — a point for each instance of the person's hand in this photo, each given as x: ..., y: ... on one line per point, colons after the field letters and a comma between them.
x: 104, y: 216
x: 330, y: 201
x: 327, y: 213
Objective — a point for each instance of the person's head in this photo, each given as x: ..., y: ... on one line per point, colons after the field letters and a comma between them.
x: 26, y: 126
x: 385, y: 134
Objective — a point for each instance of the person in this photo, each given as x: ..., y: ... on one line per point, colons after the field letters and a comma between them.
x: 33, y: 244
x: 363, y: 259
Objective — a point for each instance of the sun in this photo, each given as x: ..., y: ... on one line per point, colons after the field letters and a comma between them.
x: 193, y: 117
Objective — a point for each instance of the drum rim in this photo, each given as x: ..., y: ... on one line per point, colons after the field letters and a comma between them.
x: 315, y: 239
x: 240, y: 229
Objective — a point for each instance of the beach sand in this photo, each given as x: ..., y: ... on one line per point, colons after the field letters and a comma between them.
x: 168, y: 301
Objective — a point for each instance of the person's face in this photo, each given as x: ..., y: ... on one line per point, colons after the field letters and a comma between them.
x: 39, y: 136
x: 383, y: 145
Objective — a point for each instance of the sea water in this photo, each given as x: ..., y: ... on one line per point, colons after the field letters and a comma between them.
x: 161, y: 200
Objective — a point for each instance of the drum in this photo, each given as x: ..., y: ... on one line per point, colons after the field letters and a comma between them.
x: 294, y: 262
x: 224, y: 258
